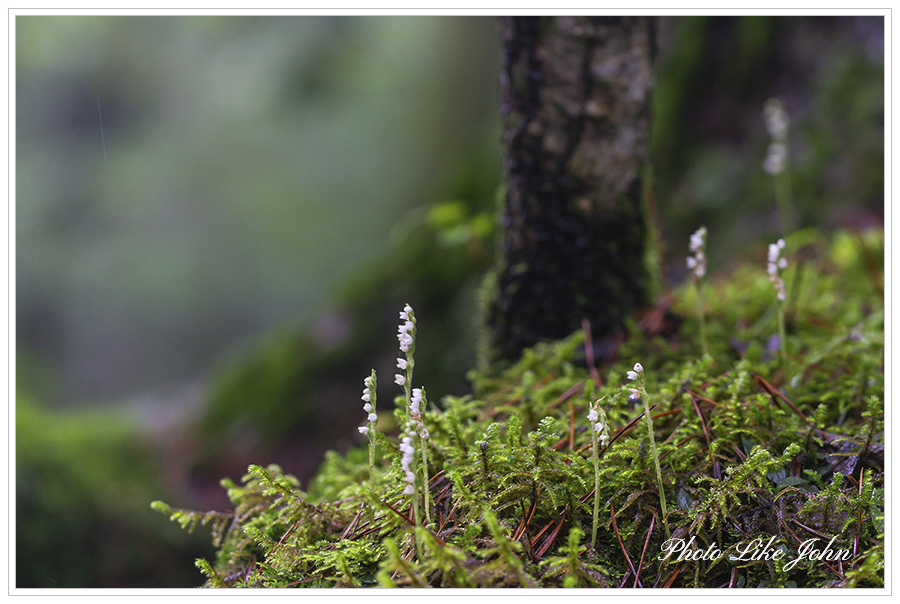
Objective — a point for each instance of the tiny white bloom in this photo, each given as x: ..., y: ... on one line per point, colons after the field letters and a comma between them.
x: 634, y: 393
x: 373, y: 418
x: 399, y: 379
x: 409, y: 490
x: 401, y: 364
x: 592, y: 415
x: 405, y: 341
x: 367, y: 407
x: 598, y: 427
x: 366, y: 396
x: 363, y: 430
x: 638, y: 367
x: 631, y: 375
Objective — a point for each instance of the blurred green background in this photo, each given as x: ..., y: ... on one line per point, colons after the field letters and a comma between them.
x: 204, y: 282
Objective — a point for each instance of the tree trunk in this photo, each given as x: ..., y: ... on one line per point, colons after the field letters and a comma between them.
x: 575, y: 97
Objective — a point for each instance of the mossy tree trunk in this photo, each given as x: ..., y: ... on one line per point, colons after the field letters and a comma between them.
x: 575, y: 99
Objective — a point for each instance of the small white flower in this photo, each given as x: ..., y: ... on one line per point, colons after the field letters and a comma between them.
x: 776, y: 119
x: 415, y: 401
x: 634, y: 393
x: 406, y: 463
x: 592, y: 415
x: 776, y: 159
x: 598, y: 427
x: 363, y: 430
x: 697, y: 239
x: 366, y: 396
x: 367, y: 407
x: 774, y: 252
x: 631, y: 375
x: 399, y: 379
x: 776, y: 264
x: 697, y: 262
x: 401, y: 364
x: 638, y: 367
x: 404, y: 314
x: 405, y: 341
x: 373, y: 418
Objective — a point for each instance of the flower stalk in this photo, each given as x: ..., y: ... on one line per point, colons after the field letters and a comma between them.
x: 776, y: 264
x: 638, y: 376
x: 414, y: 398
x: 599, y: 438
x: 776, y: 161
x: 369, y: 398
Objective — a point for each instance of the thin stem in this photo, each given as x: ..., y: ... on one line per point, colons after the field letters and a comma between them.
x: 415, y: 504
x: 703, y: 345
x: 425, y: 486
x: 782, y: 341
x: 783, y: 200
x: 655, y: 455
x: 371, y: 456
x: 596, y: 457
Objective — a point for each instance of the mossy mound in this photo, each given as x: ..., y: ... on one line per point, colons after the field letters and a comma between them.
x: 758, y: 458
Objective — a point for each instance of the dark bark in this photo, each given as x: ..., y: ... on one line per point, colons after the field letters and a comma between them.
x: 575, y: 98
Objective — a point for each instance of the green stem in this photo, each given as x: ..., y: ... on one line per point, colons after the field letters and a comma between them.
x: 655, y: 455
x: 372, y: 454
x: 415, y: 503
x: 782, y: 344
x: 783, y: 200
x: 596, y: 457
x: 703, y: 345
x: 425, y: 485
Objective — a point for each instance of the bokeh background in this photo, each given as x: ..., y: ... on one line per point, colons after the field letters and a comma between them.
x: 218, y: 218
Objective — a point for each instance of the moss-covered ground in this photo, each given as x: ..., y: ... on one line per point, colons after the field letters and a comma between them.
x: 773, y: 471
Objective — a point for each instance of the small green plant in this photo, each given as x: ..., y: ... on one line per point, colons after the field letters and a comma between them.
x: 599, y: 438
x: 637, y: 375
x: 370, y: 400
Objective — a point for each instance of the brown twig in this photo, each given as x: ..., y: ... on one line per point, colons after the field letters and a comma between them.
x: 717, y: 474
x: 644, y: 551
x: 550, y: 539
x: 571, y: 426
x: 612, y: 512
x: 775, y: 393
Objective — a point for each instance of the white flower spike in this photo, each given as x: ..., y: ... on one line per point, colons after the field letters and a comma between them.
x: 697, y: 262
x: 776, y: 264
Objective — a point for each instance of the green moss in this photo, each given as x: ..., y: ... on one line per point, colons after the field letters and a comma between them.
x: 747, y: 453
x: 83, y: 478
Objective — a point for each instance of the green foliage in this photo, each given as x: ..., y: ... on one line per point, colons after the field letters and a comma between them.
x: 750, y: 457
x: 83, y: 479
